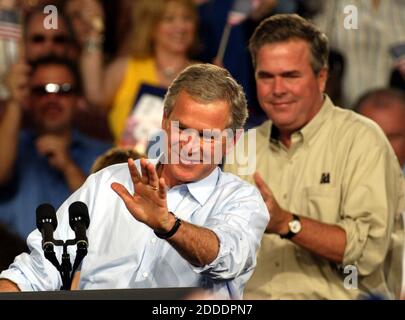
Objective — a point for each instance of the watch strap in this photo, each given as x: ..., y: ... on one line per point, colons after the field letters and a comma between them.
x: 172, y: 231
x: 290, y: 234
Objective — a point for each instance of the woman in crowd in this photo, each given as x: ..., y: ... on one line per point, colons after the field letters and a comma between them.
x: 162, y: 39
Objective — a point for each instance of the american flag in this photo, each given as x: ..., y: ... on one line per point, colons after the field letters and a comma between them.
x: 10, y: 28
x: 10, y: 34
x: 241, y: 10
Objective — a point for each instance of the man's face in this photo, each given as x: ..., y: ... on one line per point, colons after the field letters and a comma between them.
x: 189, y: 158
x: 53, y: 111
x: 391, y: 119
x: 287, y: 88
x: 41, y: 42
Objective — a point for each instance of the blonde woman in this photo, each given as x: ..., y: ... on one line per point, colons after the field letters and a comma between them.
x: 163, y: 35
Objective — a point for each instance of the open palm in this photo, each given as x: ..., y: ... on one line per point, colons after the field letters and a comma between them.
x: 148, y: 204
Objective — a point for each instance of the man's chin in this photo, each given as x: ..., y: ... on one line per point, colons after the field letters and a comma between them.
x: 188, y: 164
x: 184, y: 173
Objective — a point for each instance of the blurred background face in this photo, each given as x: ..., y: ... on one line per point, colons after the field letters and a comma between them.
x: 191, y: 114
x: 53, y: 112
x: 41, y: 42
x: 176, y: 31
x: 391, y: 119
x: 287, y: 88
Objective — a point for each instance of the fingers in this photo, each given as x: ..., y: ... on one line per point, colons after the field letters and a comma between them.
x: 152, y: 175
x: 262, y: 186
x: 162, y: 188
x: 17, y: 82
x: 149, y: 175
x: 148, y: 179
x: 135, y: 177
x: 144, y: 164
x: 121, y: 191
x: 124, y: 194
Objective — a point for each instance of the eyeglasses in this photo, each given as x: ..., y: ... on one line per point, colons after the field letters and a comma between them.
x: 59, y: 89
x: 57, y: 39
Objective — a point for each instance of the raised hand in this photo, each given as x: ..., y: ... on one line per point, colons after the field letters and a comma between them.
x: 148, y: 203
x: 87, y: 18
x: 17, y: 83
x: 278, y: 217
x: 56, y: 149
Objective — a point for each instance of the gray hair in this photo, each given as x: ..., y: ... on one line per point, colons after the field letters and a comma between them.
x: 207, y: 83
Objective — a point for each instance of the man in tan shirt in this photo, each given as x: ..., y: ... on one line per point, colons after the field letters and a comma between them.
x: 330, y: 179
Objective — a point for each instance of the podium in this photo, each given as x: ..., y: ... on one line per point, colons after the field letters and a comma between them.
x: 112, y: 294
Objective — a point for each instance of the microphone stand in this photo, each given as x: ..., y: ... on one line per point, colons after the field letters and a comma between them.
x: 65, y: 268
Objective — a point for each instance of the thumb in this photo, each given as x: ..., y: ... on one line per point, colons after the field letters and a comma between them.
x: 262, y: 186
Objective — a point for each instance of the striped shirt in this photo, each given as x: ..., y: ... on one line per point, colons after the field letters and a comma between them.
x: 368, y: 62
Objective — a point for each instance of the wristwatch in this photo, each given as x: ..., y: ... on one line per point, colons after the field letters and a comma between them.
x: 294, y: 227
x: 171, y: 232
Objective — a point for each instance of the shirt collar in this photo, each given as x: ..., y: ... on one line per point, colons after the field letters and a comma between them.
x: 202, y: 189
x: 310, y: 130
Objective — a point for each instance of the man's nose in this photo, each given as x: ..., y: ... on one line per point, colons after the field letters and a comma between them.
x: 279, y: 87
x: 48, y: 45
x: 51, y: 97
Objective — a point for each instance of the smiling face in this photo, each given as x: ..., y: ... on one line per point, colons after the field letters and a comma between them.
x: 198, y: 116
x: 176, y: 30
x: 288, y: 90
x: 53, y: 112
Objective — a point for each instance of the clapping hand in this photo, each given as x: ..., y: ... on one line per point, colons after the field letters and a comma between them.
x: 278, y: 217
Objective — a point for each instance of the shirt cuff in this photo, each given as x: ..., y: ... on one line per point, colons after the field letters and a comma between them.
x: 17, y: 277
x: 228, y: 263
x: 356, y: 238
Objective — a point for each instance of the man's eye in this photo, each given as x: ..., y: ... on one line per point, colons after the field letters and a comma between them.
x: 292, y: 75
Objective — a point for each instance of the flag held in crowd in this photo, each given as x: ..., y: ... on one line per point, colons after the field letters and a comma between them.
x: 241, y: 10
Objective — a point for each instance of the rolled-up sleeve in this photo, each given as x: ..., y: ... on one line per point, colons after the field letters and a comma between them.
x: 370, y: 207
x: 239, y: 225
x: 33, y: 272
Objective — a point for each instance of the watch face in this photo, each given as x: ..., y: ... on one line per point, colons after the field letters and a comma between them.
x: 295, y: 226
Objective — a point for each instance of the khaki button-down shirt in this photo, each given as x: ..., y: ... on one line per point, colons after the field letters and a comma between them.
x: 341, y: 170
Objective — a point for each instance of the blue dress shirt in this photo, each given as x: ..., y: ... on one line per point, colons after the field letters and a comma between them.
x: 36, y: 182
x: 125, y: 253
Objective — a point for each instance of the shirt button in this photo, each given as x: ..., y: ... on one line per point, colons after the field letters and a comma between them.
x: 277, y: 264
x: 153, y: 241
x: 284, y: 196
x: 145, y: 274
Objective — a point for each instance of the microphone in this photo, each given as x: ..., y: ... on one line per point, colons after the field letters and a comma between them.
x: 79, y: 221
x: 46, y: 223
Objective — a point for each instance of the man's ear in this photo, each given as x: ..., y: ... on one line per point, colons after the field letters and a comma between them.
x: 322, y: 78
x: 164, y: 120
x: 230, y: 146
